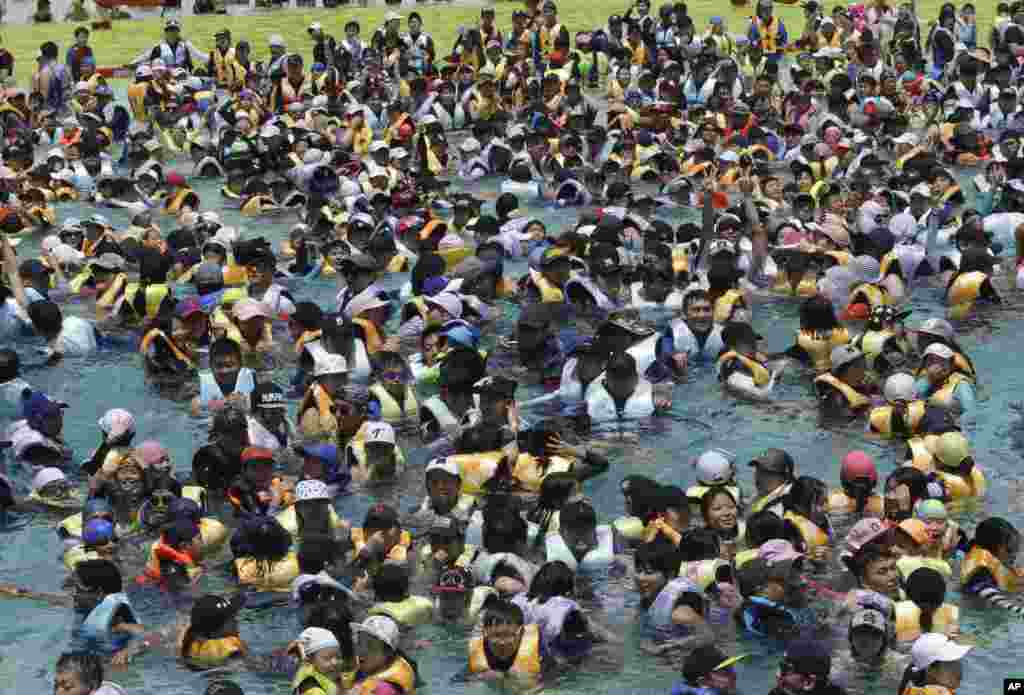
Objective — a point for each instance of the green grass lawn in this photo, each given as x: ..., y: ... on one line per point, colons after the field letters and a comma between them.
x: 129, y: 37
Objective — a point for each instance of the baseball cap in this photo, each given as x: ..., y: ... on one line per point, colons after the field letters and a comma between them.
x: 379, y: 626
x: 871, y: 619
x: 211, y: 612
x: 316, y: 639
x: 808, y: 658
x: 276, y: 40
x: 449, y: 301
x: 109, y: 261
x: 916, y: 529
x: 706, y: 659
x: 257, y: 454
x: 311, y: 490
x: 774, y: 461
x: 932, y: 647
x: 98, y: 532
x: 37, y: 406
x: 862, y: 533
x: 714, y: 467
x: 931, y: 509
x: 939, y: 327
x: 456, y: 580
x: 778, y: 551
x: 951, y: 449
x: 444, y: 465
x: 330, y: 363
x: 381, y: 516
x: 756, y: 572
x: 248, y: 308
x: 939, y: 350
x: 379, y: 433
x: 843, y: 355
x: 268, y: 395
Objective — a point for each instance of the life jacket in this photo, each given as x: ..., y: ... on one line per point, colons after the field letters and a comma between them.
x: 758, y: 372
x: 279, y: 577
x: 409, y: 612
x: 290, y: 94
x: 526, y: 663
x: 209, y: 389
x: 159, y: 551
x: 855, y: 400
x: 154, y: 294
x: 769, y: 34
x: 702, y: 573
x: 137, y: 100
x: 596, y: 558
x: 964, y: 292
x: 602, y: 407
x: 214, y: 652
x: 920, y: 453
x: 308, y: 678
x: 436, y: 406
x: 212, y: 533
x: 149, y: 340
x: 111, y: 294
x: 97, y: 625
x: 959, y: 488
x: 871, y: 294
x: 390, y: 409
x: 547, y: 37
x: 727, y: 304
x: 908, y: 620
x: 908, y: 563
x: 174, y: 57
x: 841, y: 503
x: 465, y: 560
x: 398, y: 553
x: 806, y: 287
x: 222, y: 64
x: 631, y: 528
x: 357, y: 450
x: 400, y: 674
x: 772, y: 499
x: 812, y: 534
x: 880, y: 419
x: 316, y: 396
x: 549, y: 294
x: 530, y: 471
x: 978, y: 558
x: 76, y: 554
x: 835, y: 42
x: 872, y: 344
x: 943, y: 397
x: 660, y: 612
x: 683, y: 340
x: 290, y: 522
x: 819, y: 346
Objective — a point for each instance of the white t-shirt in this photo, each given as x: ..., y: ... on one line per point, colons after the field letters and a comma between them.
x: 77, y: 337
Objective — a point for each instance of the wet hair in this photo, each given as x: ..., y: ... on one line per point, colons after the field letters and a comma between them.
x: 699, y: 544
x: 552, y: 579
x: 429, y: 265
x: 878, y: 549
x: 694, y: 296
x: 764, y: 526
x: 818, y: 315
x: 660, y: 554
x: 504, y: 530
x: 391, y: 582
x: 224, y: 347
x: 860, y: 489
x: 642, y: 493
x: 88, y: 666
x: 915, y: 480
x: 555, y: 490
x: 316, y: 553
x: 498, y: 611
x: 926, y: 587
x: 313, y: 518
x: 263, y: 539
x: 993, y: 533
x: 804, y: 496
x: 336, y: 617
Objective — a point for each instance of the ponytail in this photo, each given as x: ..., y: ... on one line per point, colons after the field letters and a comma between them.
x: 860, y: 490
x: 927, y: 616
x: 186, y: 642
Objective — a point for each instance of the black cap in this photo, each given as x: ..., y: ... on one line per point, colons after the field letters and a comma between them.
x: 775, y: 461
x: 499, y: 386
x: 446, y: 528
x: 703, y: 660
x: 455, y: 580
x: 755, y: 573
x: 361, y: 261
x: 211, y: 612
x: 267, y: 394
x: 538, y: 315
x: 380, y: 516
x: 308, y: 314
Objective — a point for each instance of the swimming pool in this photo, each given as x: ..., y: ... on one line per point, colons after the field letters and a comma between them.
x: 31, y: 635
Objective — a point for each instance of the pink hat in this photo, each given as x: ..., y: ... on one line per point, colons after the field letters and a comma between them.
x: 777, y: 550
x: 246, y: 309
x: 152, y: 453
x: 862, y: 533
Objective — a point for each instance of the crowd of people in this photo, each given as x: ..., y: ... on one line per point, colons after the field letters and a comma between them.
x: 847, y: 165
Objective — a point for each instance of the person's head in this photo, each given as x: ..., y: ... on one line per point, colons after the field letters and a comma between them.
x: 673, y: 506
x: 999, y: 537
x: 259, y: 467
x: 655, y: 565
x: 938, y: 362
x: 391, y: 582
x: 903, y: 489
x: 869, y: 634
x: 875, y: 568
x: 936, y: 660
x: 804, y: 668
x: 77, y: 673
x: 444, y: 482
x: 212, y: 617
x: 376, y: 641
x: 764, y: 526
x: 230, y: 430
x: 93, y: 580
x: 43, y: 415
x: 578, y: 527
x: 621, y: 377
x: 454, y: 591
x: 859, y: 477
x: 504, y: 530
x: 225, y: 361
x: 331, y: 373
x: 503, y: 628
x: 497, y: 397
x: 706, y: 667
x: 719, y: 509
x: 81, y: 36
x: 772, y: 470
x: 46, y: 318
x: 381, y: 517
x: 698, y: 311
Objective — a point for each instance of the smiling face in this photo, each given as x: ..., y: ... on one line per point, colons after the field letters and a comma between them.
x: 648, y: 581
x: 721, y: 514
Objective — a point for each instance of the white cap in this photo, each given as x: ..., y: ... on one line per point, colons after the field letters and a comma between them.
x: 932, y: 647
x: 380, y: 432
x: 47, y: 476
x: 330, y: 363
x: 444, y: 464
x: 448, y: 301
x: 315, y: 26
x: 939, y: 350
x: 470, y: 145
x: 315, y: 639
x: 312, y: 490
x: 276, y: 40
x: 714, y: 467
x: 899, y: 387
x: 364, y: 302
x: 399, y: 153
x: 380, y: 626
x: 354, y: 109
x: 939, y: 327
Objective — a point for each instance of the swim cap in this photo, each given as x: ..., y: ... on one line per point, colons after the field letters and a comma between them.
x: 931, y: 509
x: 714, y: 467
x: 98, y: 532
x: 857, y: 464
x: 951, y: 449
x: 315, y: 639
x: 899, y: 387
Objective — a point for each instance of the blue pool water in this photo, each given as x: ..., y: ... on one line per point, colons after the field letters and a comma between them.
x: 32, y: 635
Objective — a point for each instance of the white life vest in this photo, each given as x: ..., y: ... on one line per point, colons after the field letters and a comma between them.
x: 597, y: 558
x: 209, y: 389
x: 262, y: 437
x: 684, y: 340
x: 418, y: 50
x: 570, y: 388
x: 601, y: 406
x: 645, y: 353
x: 278, y: 303
x: 549, y: 616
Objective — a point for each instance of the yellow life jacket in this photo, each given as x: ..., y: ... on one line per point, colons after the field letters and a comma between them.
x: 290, y: 522
x: 212, y: 534
x: 769, y: 34
x: 872, y: 343
x: 110, y: 295
x: 920, y: 451
x: 549, y: 294
x: 874, y: 295
x: 398, y: 264
x: 547, y: 37
x: 745, y: 556
x: 835, y: 42
x: 727, y: 304
x: 476, y: 469
x: 959, y: 488
x: 812, y: 534
x: 279, y: 577
x: 308, y: 678
x: 927, y: 690
x: 908, y: 620
x: 316, y: 396
x: 77, y: 554
x: 137, y: 100
x: 409, y: 612
x: 157, y: 334
x: 908, y: 563
x: 174, y: 203
x: 943, y: 396
x: 771, y: 499
x: 856, y: 400
x: 371, y: 336
x: 529, y: 470
x: 757, y: 371
x: 399, y: 673
x: 839, y: 502
x: 527, y: 661
x: 819, y: 346
x: 807, y: 287
x: 390, y: 409
x: 357, y: 450
x: 214, y: 652
x: 630, y: 528
x: 880, y: 419
x: 398, y: 553
x: 964, y: 292
x: 154, y: 294
x: 152, y: 569
x: 221, y: 65
x: 453, y: 256
x: 977, y: 559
